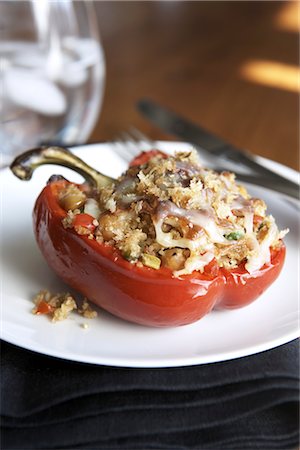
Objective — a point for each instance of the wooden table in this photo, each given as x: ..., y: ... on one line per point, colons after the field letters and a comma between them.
x: 230, y: 66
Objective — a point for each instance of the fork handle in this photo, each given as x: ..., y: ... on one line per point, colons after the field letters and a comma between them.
x: 290, y: 189
x: 229, y: 153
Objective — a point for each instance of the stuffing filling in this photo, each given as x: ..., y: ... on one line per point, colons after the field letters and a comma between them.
x: 171, y: 212
x: 60, y: 306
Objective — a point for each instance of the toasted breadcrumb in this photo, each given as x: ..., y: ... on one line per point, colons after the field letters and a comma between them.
x: 60, y: 306
x: 175, y: 203
x: 63, y: 311
x: 69, y: 219
x: 86, y: 310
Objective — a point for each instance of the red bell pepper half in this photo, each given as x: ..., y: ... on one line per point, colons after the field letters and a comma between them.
x: 140, y: 294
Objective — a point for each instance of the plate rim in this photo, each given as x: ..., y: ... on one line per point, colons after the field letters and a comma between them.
x: 158, y: 362
x: 173, y: 363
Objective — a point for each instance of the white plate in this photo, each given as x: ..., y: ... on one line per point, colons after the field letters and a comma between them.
x: 270, y: 321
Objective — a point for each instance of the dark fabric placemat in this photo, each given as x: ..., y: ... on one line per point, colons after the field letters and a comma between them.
x: 247, y: 403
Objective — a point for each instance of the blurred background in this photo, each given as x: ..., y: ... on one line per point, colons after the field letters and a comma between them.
x: 72, y: 72
x: 232, y: 67
x: 52, y: 73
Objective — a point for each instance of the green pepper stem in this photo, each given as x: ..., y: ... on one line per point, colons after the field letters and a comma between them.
x: 25, y: 164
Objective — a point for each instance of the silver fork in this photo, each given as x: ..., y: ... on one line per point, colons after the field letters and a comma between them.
x: 131, y: 142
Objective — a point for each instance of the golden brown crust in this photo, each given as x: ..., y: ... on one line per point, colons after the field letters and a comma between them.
x: 175, y: 204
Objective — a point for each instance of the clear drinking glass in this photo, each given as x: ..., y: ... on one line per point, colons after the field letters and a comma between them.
x: 52, y: 73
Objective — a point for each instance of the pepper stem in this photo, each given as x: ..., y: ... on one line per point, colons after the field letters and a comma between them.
x: 25, y: 164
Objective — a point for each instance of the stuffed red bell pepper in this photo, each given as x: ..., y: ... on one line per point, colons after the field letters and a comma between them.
x: 162, y: 245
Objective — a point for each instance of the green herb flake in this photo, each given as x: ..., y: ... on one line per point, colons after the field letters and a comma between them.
x: 234, y: 235
x: 151, y: 261
x: 128, y: 256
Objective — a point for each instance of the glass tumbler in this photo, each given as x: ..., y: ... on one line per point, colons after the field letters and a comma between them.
x: 52, y: 73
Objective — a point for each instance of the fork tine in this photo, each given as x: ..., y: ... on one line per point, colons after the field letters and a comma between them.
x: 124, y: 149
x: 132, y: 142
x: 128, y: 138
x: 139, y: 136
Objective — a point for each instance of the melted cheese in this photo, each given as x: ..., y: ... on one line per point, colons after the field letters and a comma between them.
x: 203, y: 218
x: 241, y: 203
x: 261, y: 255
x: 213, y: 234
x: 195, y: 262
x: 166, y: 239
x: 248, y: 222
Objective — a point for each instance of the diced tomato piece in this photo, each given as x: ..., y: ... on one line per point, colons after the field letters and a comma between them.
x: 144, y: 157
x: 257, y: 220
x: 44, y: 308
x: 84, y: 221
x: 212, y: 268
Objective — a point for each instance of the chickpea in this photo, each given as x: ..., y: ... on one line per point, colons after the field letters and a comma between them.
x: 111, y: 224
x: 71, y: 198
x: 182, y: 227
x: 174, y: 258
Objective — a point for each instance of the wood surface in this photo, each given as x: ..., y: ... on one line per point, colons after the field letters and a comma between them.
x: 231, y: 66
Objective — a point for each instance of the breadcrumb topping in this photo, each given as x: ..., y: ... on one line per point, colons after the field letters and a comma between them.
x: 181, y: 213
x: 59, y: 306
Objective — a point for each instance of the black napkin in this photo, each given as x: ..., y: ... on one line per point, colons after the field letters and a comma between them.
x: 248, y: 403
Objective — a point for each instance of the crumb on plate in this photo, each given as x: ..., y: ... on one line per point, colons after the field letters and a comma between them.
x: 59, y: 306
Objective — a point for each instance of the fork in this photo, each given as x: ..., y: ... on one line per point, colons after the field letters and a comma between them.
x: 133, y: 141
